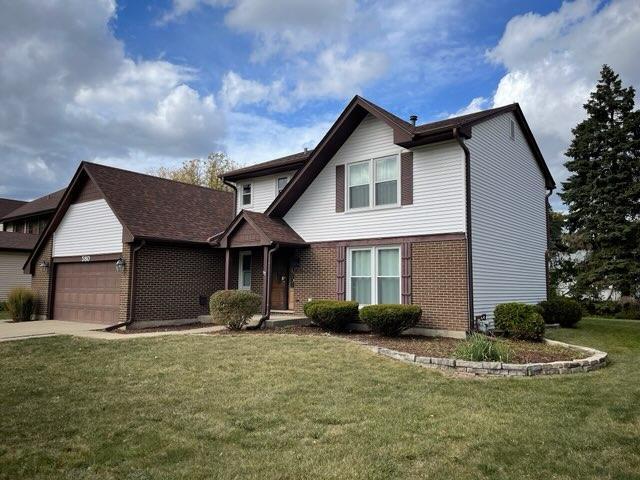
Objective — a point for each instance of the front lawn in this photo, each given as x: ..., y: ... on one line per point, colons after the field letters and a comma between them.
x: 281, y: 406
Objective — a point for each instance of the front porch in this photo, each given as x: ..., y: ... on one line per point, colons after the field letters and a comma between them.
x: 263, y: 255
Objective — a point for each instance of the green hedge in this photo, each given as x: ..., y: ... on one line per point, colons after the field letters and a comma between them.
x: 21, y: 304
x: 519, y: 321
x: 234, y: 307
x: 390, y: 320
x: 565, y: 311
x: 629, y: 311
x: 331, y: 314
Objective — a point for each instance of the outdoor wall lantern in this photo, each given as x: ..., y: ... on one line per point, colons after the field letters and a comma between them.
x: 120, y: 263
x: 44, y: 264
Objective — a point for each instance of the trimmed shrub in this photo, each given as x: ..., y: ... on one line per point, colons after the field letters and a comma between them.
x: 519, y: 321
x: 21, y: 304
x: 630, y: 311
x: 234, y: 307
x: 565, y: 311
x: 480, y: 348
x: 3, y: 306
x: 607, y: 308
x: 331, y: 314
x: 390, y: 320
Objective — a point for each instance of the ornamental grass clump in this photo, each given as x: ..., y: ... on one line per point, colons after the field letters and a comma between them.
x: 480, y: 348
x: 234, y: 308
x: 21, y: 304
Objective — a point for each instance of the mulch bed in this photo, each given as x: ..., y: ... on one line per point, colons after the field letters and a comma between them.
x: 522, y: 352
x: 171, y: 328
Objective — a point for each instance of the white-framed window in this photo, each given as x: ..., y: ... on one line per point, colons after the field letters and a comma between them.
x: 373, y: 183
x: 281, y: 182
x: 244, y: 271
x: 373, y: 275
x: 246, y: 194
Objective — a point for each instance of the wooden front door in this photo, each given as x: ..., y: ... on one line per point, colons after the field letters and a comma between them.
x: 279, y: 281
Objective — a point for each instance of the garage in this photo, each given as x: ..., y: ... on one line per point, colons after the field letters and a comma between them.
x: 87, y: 292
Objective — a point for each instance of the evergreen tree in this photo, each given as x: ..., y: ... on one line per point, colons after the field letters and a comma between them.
x: 603, y: 191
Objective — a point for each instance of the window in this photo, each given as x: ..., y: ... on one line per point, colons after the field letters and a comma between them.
x: 386, y: 181
x: 244, y: 273
x: 512, y: 129
x: 359, y: 180
x: 281, y: 183
x: 374, y: 275
x: 246, y: 194
x: 377, y: 178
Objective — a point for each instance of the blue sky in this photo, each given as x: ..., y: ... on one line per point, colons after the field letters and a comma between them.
x: 143, y: 84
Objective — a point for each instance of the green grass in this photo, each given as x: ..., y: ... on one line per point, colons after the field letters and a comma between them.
x: 262, y: 406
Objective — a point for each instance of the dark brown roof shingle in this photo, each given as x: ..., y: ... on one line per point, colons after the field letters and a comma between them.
x: 160, y: 209
x: 17, y: 241
x: 276, y: 229
x: 8, y: 205
x: 45, y: 204
x: 293, y: 161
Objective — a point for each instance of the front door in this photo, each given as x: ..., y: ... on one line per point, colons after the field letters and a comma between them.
x: 279, y: 282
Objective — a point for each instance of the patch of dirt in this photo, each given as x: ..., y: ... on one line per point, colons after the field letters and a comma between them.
x: 168, y: 328
x: 522, y: 352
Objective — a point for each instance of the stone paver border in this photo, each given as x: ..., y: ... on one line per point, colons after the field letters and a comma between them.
x: 594, y: 361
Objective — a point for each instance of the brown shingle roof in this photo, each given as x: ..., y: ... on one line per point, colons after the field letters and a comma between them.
x: 17, y: 241
x: 160, y: 209
x: 470, y: 118
x: 8, y: 205
x: 281, y: 164
x: 276, y: 229
x: 45, y: 204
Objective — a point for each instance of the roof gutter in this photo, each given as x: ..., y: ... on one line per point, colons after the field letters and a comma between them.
x: 458, y: 135
x: 267, y: 298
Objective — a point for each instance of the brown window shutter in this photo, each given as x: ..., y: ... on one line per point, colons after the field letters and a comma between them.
x: 339, y: 188
x: 341, y: 272
x: 406, y: 178
x: 405, y: 280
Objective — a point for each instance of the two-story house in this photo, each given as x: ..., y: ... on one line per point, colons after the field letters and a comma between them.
x: 449, y: 215
x: 20, y: 224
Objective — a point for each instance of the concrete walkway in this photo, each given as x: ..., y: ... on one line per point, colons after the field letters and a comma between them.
x: 10, y: 331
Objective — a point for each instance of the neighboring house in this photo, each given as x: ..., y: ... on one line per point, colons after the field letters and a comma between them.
x: 31, y: 217
x: 449, y: 215
x: 128, y: 247
x: 14, y: 251
x: 20, y: 224
x: 8, y: 205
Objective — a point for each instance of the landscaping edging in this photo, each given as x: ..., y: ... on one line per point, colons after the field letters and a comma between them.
x: 594, y: 361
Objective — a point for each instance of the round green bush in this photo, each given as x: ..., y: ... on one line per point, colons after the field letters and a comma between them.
x: 565, y: 311
x: 519, y: 321
x: 390, y: 320
x: 331, y: 314
x: 234, y: 307
x: 21, y: 304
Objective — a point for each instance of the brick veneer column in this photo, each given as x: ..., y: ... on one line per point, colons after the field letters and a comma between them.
x: 123, y: 313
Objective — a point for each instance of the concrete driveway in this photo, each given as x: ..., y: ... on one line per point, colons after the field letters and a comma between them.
x: 10, y: 331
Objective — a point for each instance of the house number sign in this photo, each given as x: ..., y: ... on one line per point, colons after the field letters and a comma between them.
x: 86, y: 258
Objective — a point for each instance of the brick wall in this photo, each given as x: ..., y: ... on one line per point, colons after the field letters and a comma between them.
x: 169, y: 279
x: 40, y: 280
x: 439, y: 283
x: 316, y: 277
x: 123, y: 313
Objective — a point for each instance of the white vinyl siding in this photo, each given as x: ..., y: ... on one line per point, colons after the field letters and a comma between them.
x: 438, y: 192
x: 508, y: 217
x: 11, y: 274
x: 88, y: 228
x: 263, y: 191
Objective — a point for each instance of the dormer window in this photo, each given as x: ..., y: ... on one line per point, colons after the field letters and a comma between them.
x: 246, y: 194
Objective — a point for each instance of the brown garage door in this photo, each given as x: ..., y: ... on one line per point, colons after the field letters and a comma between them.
x: 87, y: 292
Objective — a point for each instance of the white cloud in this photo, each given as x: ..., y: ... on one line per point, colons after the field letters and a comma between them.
x: 237, y: 91
x: 475, y: 105
x: 553, y: 62
x: 70, y: 93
